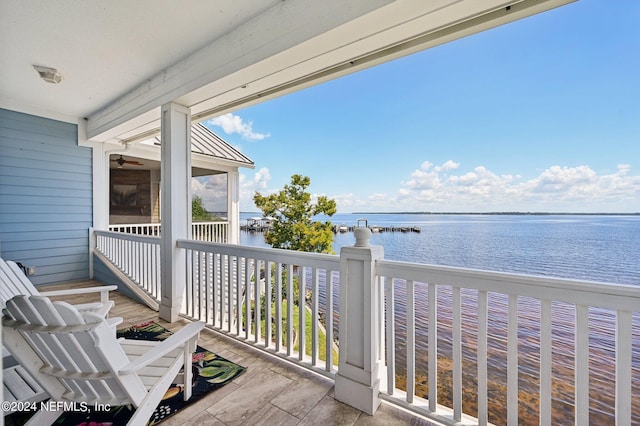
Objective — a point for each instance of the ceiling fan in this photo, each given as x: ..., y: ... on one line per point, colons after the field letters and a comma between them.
x: 121, y: 162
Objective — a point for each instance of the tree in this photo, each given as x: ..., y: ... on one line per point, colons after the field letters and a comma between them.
x: 293, y: 211
x: 198, y: 212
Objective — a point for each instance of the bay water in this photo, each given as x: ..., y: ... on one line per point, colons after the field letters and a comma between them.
x: 602, y: 248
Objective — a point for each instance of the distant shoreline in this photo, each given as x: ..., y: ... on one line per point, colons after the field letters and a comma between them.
x: 490, y: 213
x: 505, y: 213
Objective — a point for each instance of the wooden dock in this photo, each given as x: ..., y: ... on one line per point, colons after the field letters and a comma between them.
x: 256, y: 225
x: 377, y: 229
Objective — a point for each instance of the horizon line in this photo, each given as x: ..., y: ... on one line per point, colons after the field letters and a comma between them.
x: 521, y: 213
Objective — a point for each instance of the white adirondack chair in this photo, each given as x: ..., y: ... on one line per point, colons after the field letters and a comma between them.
x: 18, y: 385
x: 15, y: 282
x: 76, y: 357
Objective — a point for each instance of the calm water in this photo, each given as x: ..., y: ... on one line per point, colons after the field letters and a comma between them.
x: 593, y: 248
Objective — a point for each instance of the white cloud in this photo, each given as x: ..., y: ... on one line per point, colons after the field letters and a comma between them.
x: 377, y: 197
x: 558, y: 188
x: 249, y: 185
x: 231, y: 123
x: 212, y: 190
x: 449, y: 187
x: 261, y: 178
x: 449, y: 165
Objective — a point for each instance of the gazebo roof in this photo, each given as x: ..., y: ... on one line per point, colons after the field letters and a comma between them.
x: 204, y: 141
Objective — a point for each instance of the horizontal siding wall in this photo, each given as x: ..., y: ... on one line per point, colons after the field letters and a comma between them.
x: 45, y: 197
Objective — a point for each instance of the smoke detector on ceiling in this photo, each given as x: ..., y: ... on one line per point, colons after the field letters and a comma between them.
x: 50, y: 75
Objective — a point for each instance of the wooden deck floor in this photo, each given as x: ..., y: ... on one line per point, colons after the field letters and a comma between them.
x: 271, y: 391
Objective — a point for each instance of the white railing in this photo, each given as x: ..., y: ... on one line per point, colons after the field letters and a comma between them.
x: 462, y: 346
x: 544, y: 351
x: 227, y: 283
x: 136, y: 256
x: 151, y: 229
x: 215, y: 232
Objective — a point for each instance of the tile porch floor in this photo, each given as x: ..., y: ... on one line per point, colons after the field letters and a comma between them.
x: 271, y: 391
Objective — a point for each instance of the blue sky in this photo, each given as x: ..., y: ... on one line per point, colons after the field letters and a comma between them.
x: 539, y: 115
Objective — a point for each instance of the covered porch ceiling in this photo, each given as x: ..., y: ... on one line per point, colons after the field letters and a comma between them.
x: 121, y: 60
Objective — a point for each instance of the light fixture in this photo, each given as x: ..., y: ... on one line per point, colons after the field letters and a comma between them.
x: 50, y: 75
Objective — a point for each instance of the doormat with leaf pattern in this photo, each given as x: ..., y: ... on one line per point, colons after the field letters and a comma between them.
x: 210, y: 372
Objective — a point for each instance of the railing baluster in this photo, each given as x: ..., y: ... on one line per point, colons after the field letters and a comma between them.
x: 329, y: 321
x: 146, y: 264
x: 234, y: 274
x: 623, y: 367
x: 302, y: 313
x: 215, y: 290
x: 247, y: 298
x: 512, y: 361
x: 432, y: 341
x: 257, y: 289
x: 457, y: 355
x: 278, y: 306
x: 545, y: 362
x: 314, y: 317
x: 202, y: 285
x: 190, y: 290
x: 267, y: 304
x: 390, y: 334
x: 411, y: 341
x: 290, y: 299
x: 483, y: 316
x: 158, y: 272
x: 238, y: 296
x: 207, y: 286
x: 582, y: 365
x: 224, y: 274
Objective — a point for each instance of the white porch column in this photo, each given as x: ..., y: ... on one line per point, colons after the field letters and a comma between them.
x: 100, y: 163
x: 175, y: 207
x: 361, y: 368
x: 233, y: 207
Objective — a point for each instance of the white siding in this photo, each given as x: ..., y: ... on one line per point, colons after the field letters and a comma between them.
x: 45, y: 197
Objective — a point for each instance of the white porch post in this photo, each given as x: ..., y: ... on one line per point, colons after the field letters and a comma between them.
x: 100, y: 164
x: 233, y: 207
x: 361, y: 368
x: 100, y: 160
x: 175, y: 207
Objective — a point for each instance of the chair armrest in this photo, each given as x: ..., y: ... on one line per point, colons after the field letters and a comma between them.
x: 103, y: 290
x: 176, y: 340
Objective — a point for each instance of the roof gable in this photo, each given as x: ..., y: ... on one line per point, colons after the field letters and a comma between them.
x: 205, y: 142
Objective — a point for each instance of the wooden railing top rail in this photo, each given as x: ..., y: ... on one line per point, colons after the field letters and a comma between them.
x: 325, y: 261
x: 128, y: 237
x: 603, y: 295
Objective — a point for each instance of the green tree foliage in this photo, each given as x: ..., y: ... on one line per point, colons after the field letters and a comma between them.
x: 294, y: 227
x: 198, y: 212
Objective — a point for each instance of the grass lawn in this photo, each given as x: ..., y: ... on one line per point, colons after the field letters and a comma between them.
x: 322, y: 348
